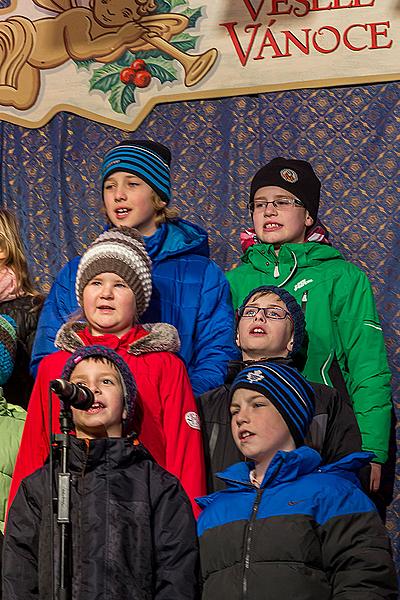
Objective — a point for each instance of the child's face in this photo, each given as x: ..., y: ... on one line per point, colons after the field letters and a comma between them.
x: 258, y: 429
x: 109, y: 305
x: 129, y: 201
x: 114, y: 13
x: 279, y: 226
x: 104, y: 418
x: 262, y: 337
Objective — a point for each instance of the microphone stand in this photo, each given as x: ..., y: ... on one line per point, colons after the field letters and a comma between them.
x: 62, y: 441
x: 82, y: 398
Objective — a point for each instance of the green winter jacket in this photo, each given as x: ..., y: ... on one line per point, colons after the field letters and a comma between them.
x: 12, y: 419
x: 341, y: 321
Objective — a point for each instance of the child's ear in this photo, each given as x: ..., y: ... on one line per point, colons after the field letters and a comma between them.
x: 289, y: 345
x: 309, y: 220
x: 124, y: 414
x: 237, y: 338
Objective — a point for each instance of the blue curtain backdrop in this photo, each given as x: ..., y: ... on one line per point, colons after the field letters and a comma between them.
x: 50, y: 178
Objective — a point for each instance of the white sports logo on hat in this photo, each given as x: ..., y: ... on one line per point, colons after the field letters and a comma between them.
x: 289, y: 175
x: 255, y: 376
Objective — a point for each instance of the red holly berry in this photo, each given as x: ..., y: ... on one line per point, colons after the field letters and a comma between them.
x: 138, y: 65
x: 127, y: 75
x: 142, y: 78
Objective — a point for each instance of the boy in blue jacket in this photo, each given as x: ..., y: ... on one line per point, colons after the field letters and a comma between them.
x: 287, y: 527
x: 132, y: 526
x: 189, y: 289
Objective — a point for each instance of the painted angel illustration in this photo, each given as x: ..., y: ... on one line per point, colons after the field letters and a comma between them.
x: 102, y: 31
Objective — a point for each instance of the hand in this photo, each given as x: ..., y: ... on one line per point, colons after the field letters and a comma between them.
x: 131, y: 32
x: 375, y: 477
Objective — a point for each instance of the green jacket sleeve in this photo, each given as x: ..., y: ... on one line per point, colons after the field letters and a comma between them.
x: 364, y: 362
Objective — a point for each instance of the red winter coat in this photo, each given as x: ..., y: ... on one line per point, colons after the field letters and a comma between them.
x: 170, y: 427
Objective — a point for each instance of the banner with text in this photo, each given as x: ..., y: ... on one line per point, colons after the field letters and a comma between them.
x: 113, y: 60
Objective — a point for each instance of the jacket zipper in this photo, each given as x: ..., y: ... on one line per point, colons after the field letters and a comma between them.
x: 249, y: 534
x: 76, y: 585
x: 249, y: 540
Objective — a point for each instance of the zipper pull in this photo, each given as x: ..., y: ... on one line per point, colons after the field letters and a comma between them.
x: 276, y: 270
x: 304, y: 300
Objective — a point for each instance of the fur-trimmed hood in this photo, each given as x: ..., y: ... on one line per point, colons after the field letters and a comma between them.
x: 160, y: 337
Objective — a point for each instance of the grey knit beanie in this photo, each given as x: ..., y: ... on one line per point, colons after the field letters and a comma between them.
x: 119, y: 250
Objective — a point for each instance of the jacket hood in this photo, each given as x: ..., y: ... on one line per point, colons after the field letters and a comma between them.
x: 289, y: 466
x: 141, y: 339
x: 176, y: 238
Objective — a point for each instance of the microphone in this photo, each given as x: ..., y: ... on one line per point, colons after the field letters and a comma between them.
x: 79, y: 396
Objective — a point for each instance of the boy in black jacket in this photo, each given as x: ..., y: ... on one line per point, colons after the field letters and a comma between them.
x: 271, y: 327
x: 133, y: 530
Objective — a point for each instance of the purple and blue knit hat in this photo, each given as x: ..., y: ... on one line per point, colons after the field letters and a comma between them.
x: 293, y: 308
x: 127, y: 380
x: 286, y: 389
x: 148, y: 160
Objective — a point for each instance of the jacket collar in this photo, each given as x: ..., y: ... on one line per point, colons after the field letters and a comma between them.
x: 176, y: 238
x: 288, y: 466
x: 141, y: 339
x: 284, y: 467
x: 87, y: 455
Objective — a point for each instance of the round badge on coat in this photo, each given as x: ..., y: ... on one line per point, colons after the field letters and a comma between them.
x: 289, y: 175
x: 193, y: 420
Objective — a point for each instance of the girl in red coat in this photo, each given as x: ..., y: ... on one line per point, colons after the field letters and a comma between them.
x: 113, y: 287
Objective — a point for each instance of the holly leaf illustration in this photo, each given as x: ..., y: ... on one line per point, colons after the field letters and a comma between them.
x: 184, y: 41
x: 145, y: 54
x: 175, y: 3
x: 106, y: 77
x: 163, y: 6
x: 193, y: 14
x: 83, y: 64
x: 122, y: 96
x: 161, y: 68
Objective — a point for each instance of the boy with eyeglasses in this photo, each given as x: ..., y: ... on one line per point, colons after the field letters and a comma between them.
x: 346, y: 346
x: 270, y: 328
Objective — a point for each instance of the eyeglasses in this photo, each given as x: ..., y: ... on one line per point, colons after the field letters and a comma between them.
x: 270, y: 312
x: 280, y: 204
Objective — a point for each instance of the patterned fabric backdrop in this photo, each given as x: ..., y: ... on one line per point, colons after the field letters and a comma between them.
x: 50, y: 178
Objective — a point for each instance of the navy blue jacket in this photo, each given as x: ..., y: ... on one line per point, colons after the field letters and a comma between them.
x: 133, y: 533
x: 189, y: 291
x: 308, y: 533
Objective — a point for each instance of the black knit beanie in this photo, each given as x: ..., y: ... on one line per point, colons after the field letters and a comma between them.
x: 294, y: 176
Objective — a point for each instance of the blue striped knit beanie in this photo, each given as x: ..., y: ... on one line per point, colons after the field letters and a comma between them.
x: 8, y: 347
x: 127, y: 380
x: 148, y: 160
x: 286, y: 389
x: 293, y: 307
